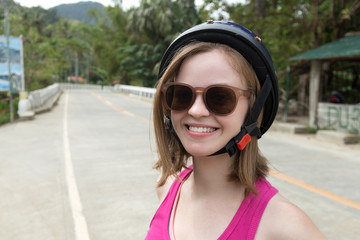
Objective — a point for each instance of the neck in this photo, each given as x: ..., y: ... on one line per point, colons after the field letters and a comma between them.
x: 210, y: 175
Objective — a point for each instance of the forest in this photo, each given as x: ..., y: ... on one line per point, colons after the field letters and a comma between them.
x: 126, y: 46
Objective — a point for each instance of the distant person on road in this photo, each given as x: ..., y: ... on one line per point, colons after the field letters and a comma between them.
x: 217, y: 95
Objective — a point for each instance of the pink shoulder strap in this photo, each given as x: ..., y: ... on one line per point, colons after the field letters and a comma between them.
x: 159, y: 226
x: 246, y: 220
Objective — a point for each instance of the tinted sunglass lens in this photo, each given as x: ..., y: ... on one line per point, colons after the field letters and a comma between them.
x: 178, y: 97
x: 221, y: 100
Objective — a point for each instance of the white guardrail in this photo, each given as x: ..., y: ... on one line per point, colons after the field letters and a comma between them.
x: 38, y: 98
x: 71, y: 86
x: 38, y: 101
x: 43, y: 99
x: 141, y: 92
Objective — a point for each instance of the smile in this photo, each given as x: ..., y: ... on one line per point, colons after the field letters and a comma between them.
x: 201, y: 129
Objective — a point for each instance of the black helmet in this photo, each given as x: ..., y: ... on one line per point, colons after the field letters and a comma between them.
x: 254, y: 51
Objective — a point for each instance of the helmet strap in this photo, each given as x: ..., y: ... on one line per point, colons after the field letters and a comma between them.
x: 169, y: 127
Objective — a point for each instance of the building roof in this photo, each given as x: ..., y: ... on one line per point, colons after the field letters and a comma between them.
x: 344, y: 48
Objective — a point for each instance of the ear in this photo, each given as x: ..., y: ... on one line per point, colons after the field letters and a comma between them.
x: 167, y: 122
x: 169, y: 127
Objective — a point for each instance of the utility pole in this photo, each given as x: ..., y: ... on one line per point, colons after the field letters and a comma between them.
x: 287, y: 93
x: 87, y: 70
x: 8, y: 57
x: 76, y: 67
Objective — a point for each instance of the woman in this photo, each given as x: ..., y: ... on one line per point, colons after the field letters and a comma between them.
x: 217, y: 95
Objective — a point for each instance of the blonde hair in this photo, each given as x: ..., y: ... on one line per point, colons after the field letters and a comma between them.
x: 249, y: 163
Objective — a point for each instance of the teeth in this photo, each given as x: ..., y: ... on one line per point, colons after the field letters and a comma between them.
x: 201, y: 129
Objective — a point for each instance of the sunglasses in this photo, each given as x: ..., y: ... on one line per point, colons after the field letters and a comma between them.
x: 219, y: 99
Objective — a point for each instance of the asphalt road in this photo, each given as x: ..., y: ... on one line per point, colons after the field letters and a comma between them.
x: 84, y: 171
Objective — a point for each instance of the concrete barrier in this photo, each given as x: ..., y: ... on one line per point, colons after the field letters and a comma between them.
x: 343, y: 117
x: 292, y: 128
x: 71, y: 86
x: 337, y: 137
x: 38, y: 101
x: 44, y: 99
x: 141, y: 92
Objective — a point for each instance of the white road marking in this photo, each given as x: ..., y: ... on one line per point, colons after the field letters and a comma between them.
x: 80, y: 225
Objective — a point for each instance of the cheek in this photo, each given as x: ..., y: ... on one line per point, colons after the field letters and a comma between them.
x: 239, y: 117
x: 242, y: 111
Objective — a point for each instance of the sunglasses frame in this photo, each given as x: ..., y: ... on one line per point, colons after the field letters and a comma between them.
x: 199, y: 90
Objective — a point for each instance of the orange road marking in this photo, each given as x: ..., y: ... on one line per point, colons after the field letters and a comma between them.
x: 316, y: 190
x: 118, y: 108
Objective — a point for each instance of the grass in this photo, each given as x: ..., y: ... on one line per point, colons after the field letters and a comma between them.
x: 5, y: 116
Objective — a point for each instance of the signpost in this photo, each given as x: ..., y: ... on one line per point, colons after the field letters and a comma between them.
x: 11, y: 63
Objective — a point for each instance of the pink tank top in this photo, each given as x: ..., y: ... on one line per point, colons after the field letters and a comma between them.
x: 243, y: 226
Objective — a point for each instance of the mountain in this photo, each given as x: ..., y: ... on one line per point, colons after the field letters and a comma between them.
x: 78, y: 11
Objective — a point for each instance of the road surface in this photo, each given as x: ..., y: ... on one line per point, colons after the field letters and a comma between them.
x: 84, y: 171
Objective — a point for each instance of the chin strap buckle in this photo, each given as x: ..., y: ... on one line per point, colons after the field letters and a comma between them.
x: 243, y: 142
x: 240, y: 141
x: 244, y: 137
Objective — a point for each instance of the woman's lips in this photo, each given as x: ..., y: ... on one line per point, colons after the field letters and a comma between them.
x: 200, y: 131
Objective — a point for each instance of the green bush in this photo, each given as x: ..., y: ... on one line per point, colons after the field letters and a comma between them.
x: 311, y: 130
x: 5, y: 116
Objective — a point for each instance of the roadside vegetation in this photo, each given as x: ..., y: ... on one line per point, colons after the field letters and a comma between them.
x: 127, y: 45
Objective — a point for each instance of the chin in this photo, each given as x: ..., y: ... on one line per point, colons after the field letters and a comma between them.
x: 200, y: 151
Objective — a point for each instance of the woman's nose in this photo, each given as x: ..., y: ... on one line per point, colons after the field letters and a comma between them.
x: 198, y: 109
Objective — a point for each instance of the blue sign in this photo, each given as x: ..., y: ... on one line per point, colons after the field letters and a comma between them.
x: 16, y: 71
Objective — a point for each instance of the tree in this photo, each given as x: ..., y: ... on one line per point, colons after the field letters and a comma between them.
x: 292, y: 27
x: 128, y: 45
x: 152, y: 26
x: 214, y: 10
x: 107, y: 37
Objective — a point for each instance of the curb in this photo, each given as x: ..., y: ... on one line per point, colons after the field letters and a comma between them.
x: 337, y: 137
x: 331, y: 136
x: 291, y: 128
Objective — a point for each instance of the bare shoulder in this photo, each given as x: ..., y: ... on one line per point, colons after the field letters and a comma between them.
x: 284, y: 220
x: 163, y: 190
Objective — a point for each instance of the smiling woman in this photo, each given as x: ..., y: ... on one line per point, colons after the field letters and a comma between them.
x: 217, y: 94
